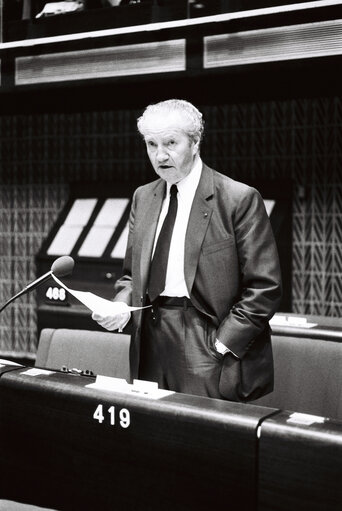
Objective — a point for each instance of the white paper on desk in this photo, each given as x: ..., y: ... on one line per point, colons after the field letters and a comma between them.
x: 97, y: 304
x: 37, y: 372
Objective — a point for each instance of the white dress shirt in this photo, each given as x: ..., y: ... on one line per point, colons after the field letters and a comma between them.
x: 175, y: 281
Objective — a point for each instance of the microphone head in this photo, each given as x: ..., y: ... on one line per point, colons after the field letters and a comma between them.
x: 63, y: 266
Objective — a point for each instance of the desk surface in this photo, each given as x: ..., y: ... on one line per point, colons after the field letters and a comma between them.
x: 326, y: 328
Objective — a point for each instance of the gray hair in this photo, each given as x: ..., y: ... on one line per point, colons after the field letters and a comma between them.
x: 189, y: 112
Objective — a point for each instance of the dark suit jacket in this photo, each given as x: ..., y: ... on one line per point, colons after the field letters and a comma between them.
x: 231, y: 270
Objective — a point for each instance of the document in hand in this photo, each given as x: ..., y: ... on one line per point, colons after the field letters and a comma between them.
x: 96, y: 303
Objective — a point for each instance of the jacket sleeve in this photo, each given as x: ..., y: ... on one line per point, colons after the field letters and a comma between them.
x: 259, y: 273
x: 123, y: 286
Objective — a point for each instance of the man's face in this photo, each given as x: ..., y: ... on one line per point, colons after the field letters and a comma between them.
x: 170, y: 149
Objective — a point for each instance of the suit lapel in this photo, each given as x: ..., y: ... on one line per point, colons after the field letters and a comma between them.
x: 149, y: 218
x: 199, y: 219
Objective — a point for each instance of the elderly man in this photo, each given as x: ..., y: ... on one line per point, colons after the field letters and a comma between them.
x: 202, y: 253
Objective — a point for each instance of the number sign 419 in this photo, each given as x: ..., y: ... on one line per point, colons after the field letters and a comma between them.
x: 114, y: 417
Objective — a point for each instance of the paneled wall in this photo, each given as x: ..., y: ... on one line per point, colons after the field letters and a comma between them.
x: 41, y: 154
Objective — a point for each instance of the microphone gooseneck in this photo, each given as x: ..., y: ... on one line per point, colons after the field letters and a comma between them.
x: 60, y: 268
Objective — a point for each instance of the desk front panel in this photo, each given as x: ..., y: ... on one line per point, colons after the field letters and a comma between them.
x: 70, y: 447
x: 300, y: 463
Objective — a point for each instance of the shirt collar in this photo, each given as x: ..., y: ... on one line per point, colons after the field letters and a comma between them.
x: 190, y: 182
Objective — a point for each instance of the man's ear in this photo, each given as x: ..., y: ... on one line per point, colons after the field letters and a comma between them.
x: 195, y: 147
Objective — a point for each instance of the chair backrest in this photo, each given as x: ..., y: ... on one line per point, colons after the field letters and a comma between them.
x: 104, y: 353
x: 11, y: 505
x: 308, y: 376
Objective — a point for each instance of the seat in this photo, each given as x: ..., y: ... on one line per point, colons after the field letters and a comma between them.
x: 104, y: 353
x: 11, y: 505
x: 307, y: 376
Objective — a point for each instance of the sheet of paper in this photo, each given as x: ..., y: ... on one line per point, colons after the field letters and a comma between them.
x: 37, y: 372
x: 139, y: 388
x: 280, y: 320
x: 305, y: 418
x: 97, y: 304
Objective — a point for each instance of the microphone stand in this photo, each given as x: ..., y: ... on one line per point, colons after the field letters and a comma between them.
x: 61, y: 267
x: 28, y: 288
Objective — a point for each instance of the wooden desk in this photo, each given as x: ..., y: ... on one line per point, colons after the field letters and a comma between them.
x: 179, y: 452
x: 300, y: 465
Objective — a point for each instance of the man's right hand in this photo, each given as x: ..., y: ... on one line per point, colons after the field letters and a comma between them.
x: 111, y: 323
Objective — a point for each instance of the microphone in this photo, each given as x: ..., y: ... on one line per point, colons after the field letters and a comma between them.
x: 60, y: 268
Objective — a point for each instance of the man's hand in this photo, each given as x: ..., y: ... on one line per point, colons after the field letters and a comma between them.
x: 114, y: 322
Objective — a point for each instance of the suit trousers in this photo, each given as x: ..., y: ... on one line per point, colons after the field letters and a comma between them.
x: 177, y: 351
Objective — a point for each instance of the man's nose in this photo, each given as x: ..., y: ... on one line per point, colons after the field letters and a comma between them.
x: 161, y: 154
